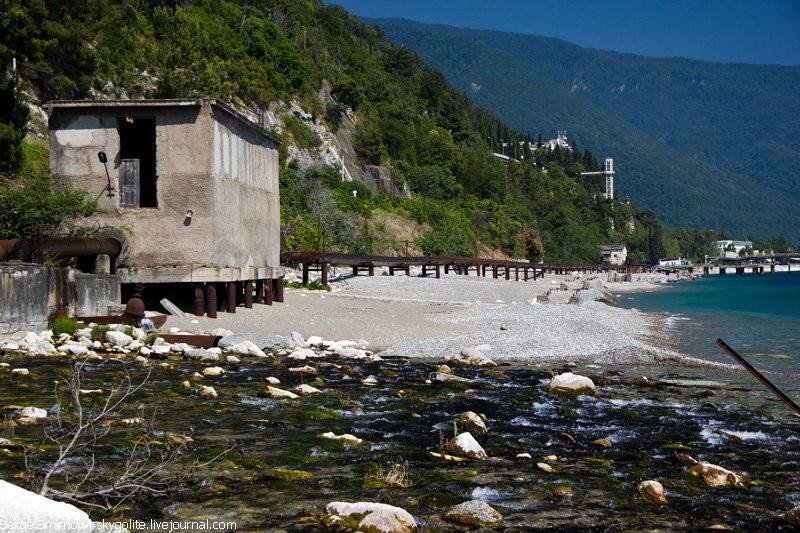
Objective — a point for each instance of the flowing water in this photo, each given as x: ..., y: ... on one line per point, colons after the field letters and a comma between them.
x: 279, y: 474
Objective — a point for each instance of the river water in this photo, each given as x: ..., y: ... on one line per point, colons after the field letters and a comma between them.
x: 276, y: 473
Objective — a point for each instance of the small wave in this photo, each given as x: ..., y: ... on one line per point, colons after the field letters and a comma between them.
x: 485, y: 493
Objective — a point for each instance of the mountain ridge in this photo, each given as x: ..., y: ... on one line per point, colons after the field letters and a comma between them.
x: 697, y: 187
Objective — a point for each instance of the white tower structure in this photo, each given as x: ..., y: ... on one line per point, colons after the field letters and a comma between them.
x: 608, y: 172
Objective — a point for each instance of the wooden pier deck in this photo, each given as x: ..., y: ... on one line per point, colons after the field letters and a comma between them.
x: 499, y: 268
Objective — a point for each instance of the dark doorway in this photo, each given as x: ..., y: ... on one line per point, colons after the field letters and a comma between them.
x: 137, y: 141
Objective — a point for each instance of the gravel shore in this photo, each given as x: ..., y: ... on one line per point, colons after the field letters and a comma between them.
x: 438, y: 318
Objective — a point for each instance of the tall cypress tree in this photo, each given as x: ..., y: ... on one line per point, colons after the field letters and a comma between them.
x: 13, y: 120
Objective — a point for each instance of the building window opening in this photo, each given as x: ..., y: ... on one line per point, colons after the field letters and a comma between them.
x: 137, y: 152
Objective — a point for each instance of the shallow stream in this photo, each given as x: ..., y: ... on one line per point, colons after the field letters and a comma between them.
x: 280, y: 474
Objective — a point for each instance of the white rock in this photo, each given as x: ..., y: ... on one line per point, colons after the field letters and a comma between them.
x: 474, y: 513
x: 145, y: 351
x: 280, y: 393
x: 207, y: 392
x: 572, y: 385
x: 20, y: 371
x: 232, y: 359
x: 33, y: 412
x: 301, y: 354
x: 345, y: 437
x: 370, y: 380
x: 524, y: 455
x: 215, y: 349
x: 118, y: 338
x: 377, y: 516
x: 465, y: 445
x: 212, y: 371
x: 161, y: 348
x: 473, y: 423
x: 22, y: 507
x: 307, y: 369
x: 306, y: 390
x: 544, y: 467
x: 141, y: 360
x: 246, y: 348
x: 221, y: 332
x: 314, y: 340
x: 272, y: 380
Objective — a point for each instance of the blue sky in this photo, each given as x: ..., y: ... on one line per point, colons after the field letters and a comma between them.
x: 727, y: 31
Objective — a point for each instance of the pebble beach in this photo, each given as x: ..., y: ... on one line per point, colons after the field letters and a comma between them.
x: 431, y: 318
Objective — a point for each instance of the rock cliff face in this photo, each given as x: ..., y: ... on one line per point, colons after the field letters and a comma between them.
x: 335, y: 149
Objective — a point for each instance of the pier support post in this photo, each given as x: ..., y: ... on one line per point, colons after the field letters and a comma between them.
x: 259, y: 291
x: 324, y: 267
x: 199, y: 300
x: 278, y: 289
x: 439, y: 271
x: 211, y: 300
x: 230, y: 300
x: 305, y: 273
x: 248, y: 294
x: 268, y: 296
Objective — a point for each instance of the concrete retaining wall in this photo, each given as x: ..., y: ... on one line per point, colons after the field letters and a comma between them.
x: 30, y: 293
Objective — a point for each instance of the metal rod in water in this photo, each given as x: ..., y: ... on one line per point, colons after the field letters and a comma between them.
x: 739, y: 359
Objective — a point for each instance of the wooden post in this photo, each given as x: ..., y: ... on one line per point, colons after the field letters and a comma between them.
x: 305, y: 273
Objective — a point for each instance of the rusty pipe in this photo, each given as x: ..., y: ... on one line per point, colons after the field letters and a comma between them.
x: 25, y: 249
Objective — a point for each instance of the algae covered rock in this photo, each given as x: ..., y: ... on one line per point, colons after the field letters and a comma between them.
x: 716, y: 476
x: 473, y: 423
x: 474, y: 513
x: 652, y: 491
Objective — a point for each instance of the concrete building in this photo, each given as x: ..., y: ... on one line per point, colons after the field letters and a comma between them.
x: 731, y: 249
x: 190, y: 188
x: 614, y: 254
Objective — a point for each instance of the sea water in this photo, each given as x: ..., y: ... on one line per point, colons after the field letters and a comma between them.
x: 756, y: 315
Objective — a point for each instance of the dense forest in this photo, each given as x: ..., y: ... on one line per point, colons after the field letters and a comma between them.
x: 254, y: 54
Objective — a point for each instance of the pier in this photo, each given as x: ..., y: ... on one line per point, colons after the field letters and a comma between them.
x: 754, y: 264
x: 498, y: 268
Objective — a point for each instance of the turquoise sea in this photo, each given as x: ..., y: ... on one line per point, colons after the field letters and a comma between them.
x: 757, y: 315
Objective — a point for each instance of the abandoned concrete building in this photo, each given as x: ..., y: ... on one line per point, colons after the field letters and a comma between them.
x: 614, y: 254
x: 190, y: 189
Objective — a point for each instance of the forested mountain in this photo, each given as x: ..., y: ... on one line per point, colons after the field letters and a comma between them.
x: 703, y: 144
x: 326, y: 78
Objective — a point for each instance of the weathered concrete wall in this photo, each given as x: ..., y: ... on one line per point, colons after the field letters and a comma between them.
x: 208, y: 160
x: 30, y: 293
x: 24, y: 294
x: 245, y: 175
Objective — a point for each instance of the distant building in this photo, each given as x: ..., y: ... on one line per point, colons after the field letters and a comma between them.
x: 731, y: 249
x: 614, y: 254
x: 190, y: 188
x: 674, y: 262
x: 560, y: 141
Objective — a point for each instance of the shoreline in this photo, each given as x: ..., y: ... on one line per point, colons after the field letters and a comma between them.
x: 428, y: 318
